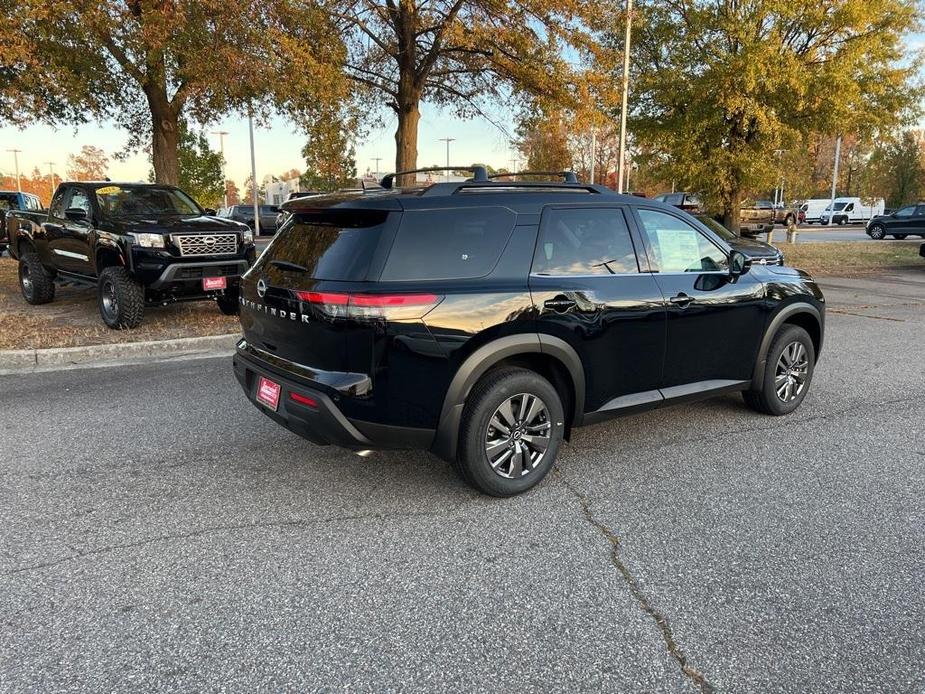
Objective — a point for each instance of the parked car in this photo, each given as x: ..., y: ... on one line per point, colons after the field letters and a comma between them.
x: 851, y: 211
x: 689, y: 202
x: 756, y: 218
x: 486, y: 320
x: 786, y: 215
x: 282, y: 215
x: 758, y: 252
x: 811, y: 210
x: 138, y: 244
x: 245, y: 215
x: 14, y: 200
x: 906, y: 221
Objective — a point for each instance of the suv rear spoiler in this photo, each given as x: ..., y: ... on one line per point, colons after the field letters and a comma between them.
x: 479, y: 173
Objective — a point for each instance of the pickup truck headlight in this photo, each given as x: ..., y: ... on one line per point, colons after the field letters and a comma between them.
x: 149, y: 240
x: 247, y: 237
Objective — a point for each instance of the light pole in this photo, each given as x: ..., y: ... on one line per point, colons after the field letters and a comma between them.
x: 448, y: 140
x: 834, y: 180
x: 16, y: 164
x: 250, y: 127
x: 593, y: 147
x: 626, y: 87
x: 221, y: 148
x: 51, y: 181
x: 377, y: 160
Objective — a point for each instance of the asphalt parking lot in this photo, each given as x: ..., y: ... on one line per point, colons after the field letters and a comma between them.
x: 159, y: 534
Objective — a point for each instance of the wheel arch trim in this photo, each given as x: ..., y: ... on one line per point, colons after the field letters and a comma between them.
x: 774, y: 326
x: 482, y: 360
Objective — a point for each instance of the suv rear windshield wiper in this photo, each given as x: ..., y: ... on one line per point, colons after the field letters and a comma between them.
x: 286, y: 265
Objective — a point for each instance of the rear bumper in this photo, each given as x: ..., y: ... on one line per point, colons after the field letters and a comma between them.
x: 324, y: 424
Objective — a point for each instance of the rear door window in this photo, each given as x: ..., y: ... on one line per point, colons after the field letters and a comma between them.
x: 584, y: 241
x: 455, y: 243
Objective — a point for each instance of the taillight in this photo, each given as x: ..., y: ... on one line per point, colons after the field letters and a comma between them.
x: 303, y: 400
x: 371, y: 306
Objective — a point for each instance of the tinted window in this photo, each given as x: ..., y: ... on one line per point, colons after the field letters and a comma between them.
x: 332, y: 244
x: 139, y: 201
x: 448, y: 244
x: 674, y: 199
x: 906, y: 212
x: 268, y: 209
x: 584, y: 242
x: 679, y: 247
x: 79, y: 200
x: 920, y: 211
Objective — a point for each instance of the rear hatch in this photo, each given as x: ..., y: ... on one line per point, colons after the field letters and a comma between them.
x: 297, y: 297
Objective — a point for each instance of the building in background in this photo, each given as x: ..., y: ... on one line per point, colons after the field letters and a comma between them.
x: 277, y: 192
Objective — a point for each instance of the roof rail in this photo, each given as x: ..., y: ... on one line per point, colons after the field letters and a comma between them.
x: 567, y: 176
x: 479, y: 173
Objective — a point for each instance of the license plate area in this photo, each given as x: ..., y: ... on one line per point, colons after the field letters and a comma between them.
x: 268, y: 393
x: 213, y: 283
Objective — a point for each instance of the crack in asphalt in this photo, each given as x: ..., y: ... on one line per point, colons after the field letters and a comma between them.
x: 864, y: 315
x: 661, y: 621
x: 300, y: 523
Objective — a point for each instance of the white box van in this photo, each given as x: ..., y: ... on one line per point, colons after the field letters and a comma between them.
x: 812, y: 209
x: 852, y: 210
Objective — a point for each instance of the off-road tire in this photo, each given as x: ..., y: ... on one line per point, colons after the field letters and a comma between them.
x: 121, y: 300
x: 35, y: 282
x: 766, y: 400
x: 228, y: 302
x: 487, y: 396
x: 877, y: 232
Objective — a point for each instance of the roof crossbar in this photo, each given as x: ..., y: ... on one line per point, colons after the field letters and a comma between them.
x: 567, y: 176
x: 479, y: 173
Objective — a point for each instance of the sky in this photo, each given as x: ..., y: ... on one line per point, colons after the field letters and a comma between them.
x: 278, y: 146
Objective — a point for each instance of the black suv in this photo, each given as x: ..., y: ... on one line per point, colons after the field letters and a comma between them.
x: 484, y: 320
x: 245, y: 215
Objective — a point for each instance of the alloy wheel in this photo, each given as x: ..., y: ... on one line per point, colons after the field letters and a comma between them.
x: 25, y: 279
x: 518, y: 436
x: 110, y: 302
x: 792, y: 372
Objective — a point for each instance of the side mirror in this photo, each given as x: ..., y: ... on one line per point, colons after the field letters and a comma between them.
x: 76, y: 214
x: 209, y: 211
x: 739, y: 264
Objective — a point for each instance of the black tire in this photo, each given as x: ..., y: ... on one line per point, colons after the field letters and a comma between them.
x: 767, y: 400
x: 121, y: 300
x: 494, y: 390
x: 228, y: 302
x: 901, y: 237
x: 35, y: 282
x: 877, y: 232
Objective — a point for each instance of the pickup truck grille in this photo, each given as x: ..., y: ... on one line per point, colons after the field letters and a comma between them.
x: 207, y: 244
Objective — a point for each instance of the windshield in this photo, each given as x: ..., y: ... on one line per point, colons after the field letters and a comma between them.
x: 838, y: 206
x: 140, y: 201
x: 716, y: 227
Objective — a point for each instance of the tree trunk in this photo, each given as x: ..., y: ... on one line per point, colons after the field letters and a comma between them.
x: 732, y: 208
x: 164, y: 139
x: 406, y: 141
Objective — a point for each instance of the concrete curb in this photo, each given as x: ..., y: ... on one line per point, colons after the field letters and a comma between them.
x: 26, y: 360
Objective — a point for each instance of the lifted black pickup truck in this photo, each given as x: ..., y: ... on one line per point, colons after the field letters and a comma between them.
x: 139, y: 244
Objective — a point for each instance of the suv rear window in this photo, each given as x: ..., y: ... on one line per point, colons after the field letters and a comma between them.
x: 448, y: 244
x: 332, y: 244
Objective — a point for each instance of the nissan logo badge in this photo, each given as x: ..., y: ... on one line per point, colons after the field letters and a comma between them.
x: 261, y: 288
x: 208, y: 240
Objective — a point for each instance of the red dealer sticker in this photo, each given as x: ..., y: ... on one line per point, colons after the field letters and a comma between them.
x: 209, y: 283
x: 268, y: 393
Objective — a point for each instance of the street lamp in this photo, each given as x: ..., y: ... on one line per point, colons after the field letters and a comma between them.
x: 448, y: 140
x: 377, y: 160
x: 626, y: 86
x: 221, y: 148
x: 250, y: 127
x: 16, y: 153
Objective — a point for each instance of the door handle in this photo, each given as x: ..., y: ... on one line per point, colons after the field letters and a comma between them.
x: 560, y: 303
x: 682, y: 300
